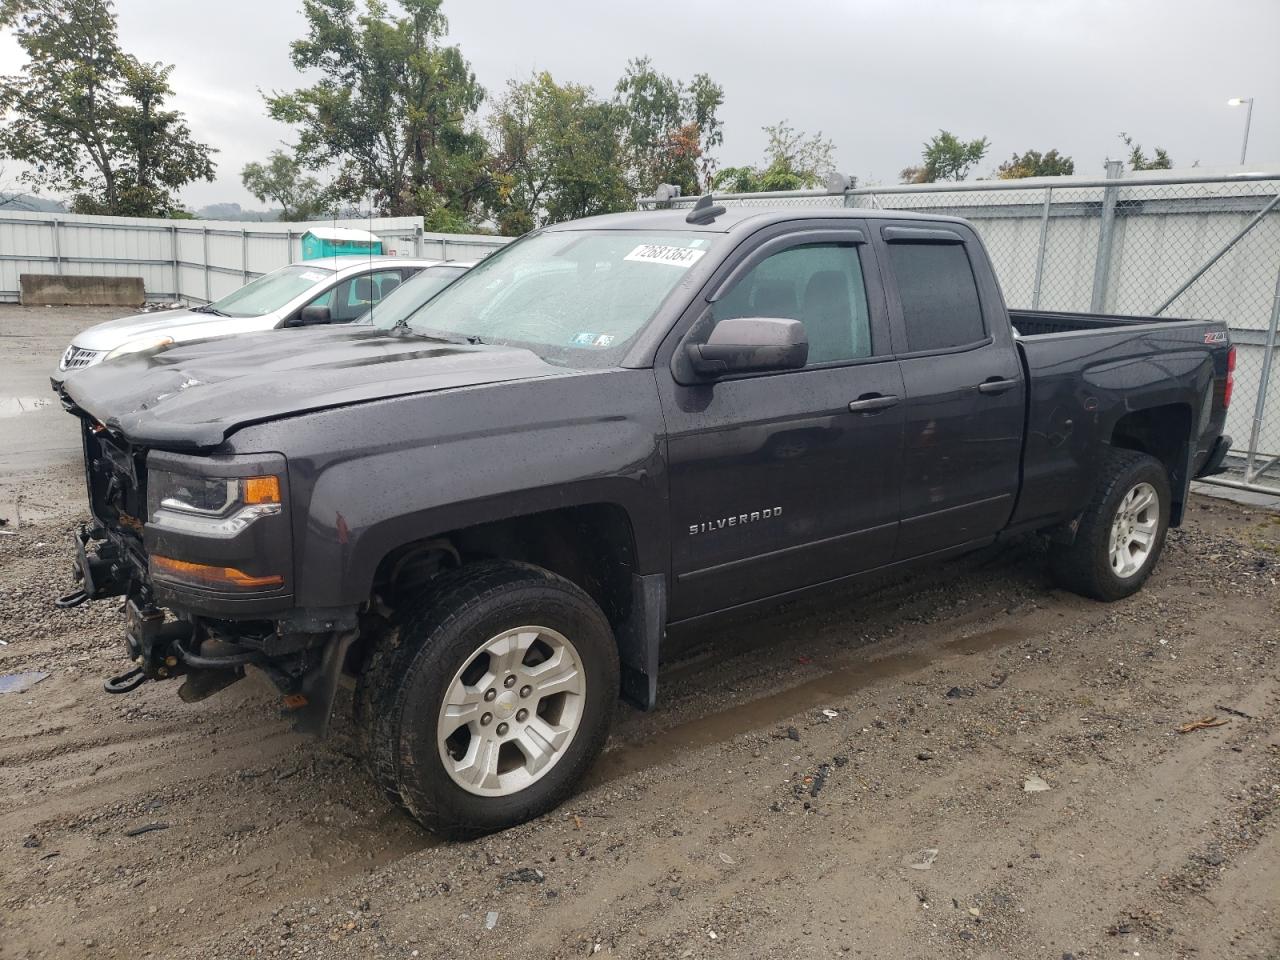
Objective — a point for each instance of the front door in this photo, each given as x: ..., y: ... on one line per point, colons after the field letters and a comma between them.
x: 775, y: 482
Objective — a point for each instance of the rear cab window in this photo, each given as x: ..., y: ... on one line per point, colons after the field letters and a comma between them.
x: 937, y: 290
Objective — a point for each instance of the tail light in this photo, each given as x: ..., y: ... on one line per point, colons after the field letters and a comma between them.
x: 1231, y: 378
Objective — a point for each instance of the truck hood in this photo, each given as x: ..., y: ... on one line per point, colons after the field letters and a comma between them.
x: 194, y: 395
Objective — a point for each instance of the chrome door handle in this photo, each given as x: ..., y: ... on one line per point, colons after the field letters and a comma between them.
x: 996, y: 386
x: 873, y: 403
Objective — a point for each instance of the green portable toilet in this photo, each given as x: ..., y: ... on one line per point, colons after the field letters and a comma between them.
x: 321, y: 242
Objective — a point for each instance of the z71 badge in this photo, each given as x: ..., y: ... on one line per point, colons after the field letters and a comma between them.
x: 738, y: 520
x: 1215, y: 336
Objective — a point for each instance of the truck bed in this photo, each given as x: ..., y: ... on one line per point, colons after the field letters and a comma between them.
x: 1036, y: 323
x: 1085, y: 371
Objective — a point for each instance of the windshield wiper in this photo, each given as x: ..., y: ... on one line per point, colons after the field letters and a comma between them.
x: 404, y: 330
x: 208, y: 308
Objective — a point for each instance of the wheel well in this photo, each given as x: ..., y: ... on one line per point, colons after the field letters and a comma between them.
x: 1164, y: 433
x: 591, y: 545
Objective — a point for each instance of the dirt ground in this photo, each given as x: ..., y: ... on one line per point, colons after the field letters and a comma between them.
x: 844, y: 777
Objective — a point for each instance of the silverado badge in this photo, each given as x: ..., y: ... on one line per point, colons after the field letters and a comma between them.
x: 710, y: 526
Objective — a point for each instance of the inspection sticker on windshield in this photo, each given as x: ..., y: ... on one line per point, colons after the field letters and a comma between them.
x: 657, y: 253
x: 585, y: 339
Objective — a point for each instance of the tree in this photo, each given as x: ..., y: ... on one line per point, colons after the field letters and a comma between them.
x: 557, y: 155
x: 393, y: 108
x: 793, y: 161
x: 946, y: 157
x: 1139, y: 160
x: 282, y: 180
x: 669, y: 128
x: 89, y: 119
x: 1035, y: 164
x: 9, y: 195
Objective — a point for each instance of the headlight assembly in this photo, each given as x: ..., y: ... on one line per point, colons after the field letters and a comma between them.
x: 210, y: 506
x: 141, y: 345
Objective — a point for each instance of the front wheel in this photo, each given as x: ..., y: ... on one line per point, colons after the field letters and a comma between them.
x: 1121, y: 532
x: 495, y: 700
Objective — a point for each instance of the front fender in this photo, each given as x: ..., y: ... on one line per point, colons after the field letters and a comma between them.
x: 369, y: 478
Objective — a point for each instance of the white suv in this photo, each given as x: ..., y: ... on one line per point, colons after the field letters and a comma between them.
x: 332, y: 290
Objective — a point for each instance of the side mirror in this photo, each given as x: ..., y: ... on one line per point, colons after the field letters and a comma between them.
x: 750, y: 344
x: 310, y: 316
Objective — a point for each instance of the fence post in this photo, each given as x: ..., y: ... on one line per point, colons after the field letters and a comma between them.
x: 244, y: 254
x: 173, y: 249
x: 417, y: 240
x: 1040, y: 254
x: 1264, y: 384
x: 1106, y: 232
x: 57, y: 246
x: 208, y: 298
x: 288, y: 237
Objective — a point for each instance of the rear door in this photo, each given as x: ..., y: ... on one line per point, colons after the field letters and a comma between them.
x: 775, y: 483
x: 965, y: 391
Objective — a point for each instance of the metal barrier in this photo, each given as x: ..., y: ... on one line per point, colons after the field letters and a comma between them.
x: 1201, y: 246
x: 192, y: 260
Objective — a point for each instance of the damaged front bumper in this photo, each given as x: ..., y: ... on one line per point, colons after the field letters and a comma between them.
x: 210, y: 653
x: 200, y: 548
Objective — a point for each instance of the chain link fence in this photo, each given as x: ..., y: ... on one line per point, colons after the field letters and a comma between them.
x: 1204, y: 247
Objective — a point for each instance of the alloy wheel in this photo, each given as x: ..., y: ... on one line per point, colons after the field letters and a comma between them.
x: 511, y: 711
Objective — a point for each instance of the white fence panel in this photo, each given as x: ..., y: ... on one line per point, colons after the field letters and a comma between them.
x: 192, y: 260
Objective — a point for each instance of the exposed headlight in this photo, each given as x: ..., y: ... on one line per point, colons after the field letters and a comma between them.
x: 141, y: 345
x: 210, y: 506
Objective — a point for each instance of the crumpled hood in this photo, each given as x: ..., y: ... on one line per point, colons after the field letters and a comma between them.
x: 192, y: 396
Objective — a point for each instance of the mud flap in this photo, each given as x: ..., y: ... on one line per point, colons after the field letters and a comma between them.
x: 640, y: 640
x: 320, y: 685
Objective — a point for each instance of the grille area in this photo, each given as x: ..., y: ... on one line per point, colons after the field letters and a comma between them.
x: 77, y: 357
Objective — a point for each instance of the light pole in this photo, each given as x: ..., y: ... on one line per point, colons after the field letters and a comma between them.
x: 1245, y: 102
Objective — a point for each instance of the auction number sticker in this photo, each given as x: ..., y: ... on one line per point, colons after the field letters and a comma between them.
x: 657, y: 253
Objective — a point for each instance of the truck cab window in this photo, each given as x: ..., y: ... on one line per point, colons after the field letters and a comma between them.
x: 819, y: 284
x: 939, y: 295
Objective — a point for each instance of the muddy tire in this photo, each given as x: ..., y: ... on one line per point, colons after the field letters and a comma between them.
x: 1122, y: 531
x: 491, y: 698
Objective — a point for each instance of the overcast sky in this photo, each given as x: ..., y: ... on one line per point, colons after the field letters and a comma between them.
x: 876, y: 76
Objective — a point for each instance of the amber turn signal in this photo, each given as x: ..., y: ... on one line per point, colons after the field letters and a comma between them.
x: 262, y: 490
x: 206, y: 575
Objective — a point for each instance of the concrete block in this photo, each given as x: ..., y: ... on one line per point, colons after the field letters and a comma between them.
x: 46, y: 290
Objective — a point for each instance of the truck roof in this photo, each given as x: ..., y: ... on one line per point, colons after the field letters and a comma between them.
x: 735, y: 218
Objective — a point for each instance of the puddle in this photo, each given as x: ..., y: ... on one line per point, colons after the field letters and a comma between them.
x: 766, y: 711
x: 12, y: 406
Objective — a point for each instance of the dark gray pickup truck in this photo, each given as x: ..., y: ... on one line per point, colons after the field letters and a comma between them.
x: 492, y: 514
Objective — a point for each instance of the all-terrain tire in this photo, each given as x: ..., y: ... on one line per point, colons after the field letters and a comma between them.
x: 410, y: 673
x: 1085, y: 565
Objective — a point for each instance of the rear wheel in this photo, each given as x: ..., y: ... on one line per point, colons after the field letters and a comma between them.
x: 494, y: 700
x: 1122, y: 531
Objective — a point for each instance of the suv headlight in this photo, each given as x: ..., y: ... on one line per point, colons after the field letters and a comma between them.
x: 140, y: 345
